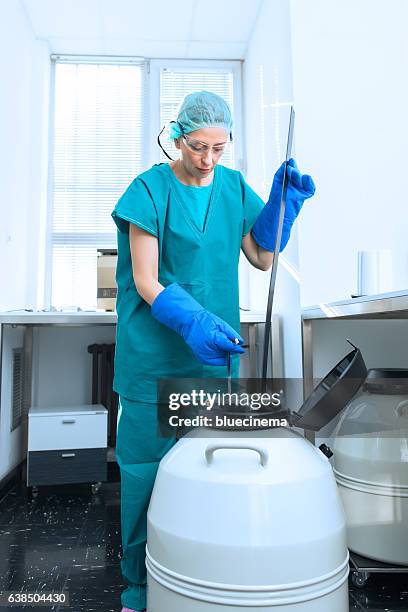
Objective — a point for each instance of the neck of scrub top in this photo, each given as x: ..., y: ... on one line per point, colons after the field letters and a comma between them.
x: 187, y: 179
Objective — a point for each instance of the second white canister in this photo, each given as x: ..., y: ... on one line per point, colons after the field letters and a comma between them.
x: 371, y: 467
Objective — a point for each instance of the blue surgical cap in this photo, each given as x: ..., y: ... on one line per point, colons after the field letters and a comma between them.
x: 201, y: 109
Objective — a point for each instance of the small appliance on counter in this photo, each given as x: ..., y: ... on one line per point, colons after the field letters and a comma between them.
x: 106, y: 283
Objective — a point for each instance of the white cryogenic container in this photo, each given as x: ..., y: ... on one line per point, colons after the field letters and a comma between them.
x: 371, y: 467
x: 245, y: 523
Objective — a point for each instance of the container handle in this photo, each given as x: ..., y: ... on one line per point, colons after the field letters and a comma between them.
x: 211, y: 448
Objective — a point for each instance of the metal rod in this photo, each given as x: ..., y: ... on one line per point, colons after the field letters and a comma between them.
x: 276, y: 251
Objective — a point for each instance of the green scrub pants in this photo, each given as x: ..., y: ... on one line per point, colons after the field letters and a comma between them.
x: 139, y: 450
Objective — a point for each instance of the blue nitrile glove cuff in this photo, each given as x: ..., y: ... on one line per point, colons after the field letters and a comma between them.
x: 208, y: 336
x: 300, y: 187
x: 175, y: 307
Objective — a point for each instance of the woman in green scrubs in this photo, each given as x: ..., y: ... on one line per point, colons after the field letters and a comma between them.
x: 181, y: 227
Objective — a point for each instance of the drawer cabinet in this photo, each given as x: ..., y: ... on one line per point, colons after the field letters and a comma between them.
x: 67, y: 466
x: 67, y: 445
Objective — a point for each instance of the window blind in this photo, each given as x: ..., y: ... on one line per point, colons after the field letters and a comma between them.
x: 177, y: 83
x: 98, y: 150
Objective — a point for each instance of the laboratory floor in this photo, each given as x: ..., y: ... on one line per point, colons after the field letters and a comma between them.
x: 68, y: 539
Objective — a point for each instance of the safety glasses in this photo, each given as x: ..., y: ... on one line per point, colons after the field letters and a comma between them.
x: 201, y: 148
x: 195, y: 146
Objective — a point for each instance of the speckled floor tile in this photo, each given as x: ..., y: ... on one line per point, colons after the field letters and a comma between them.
x: 67, y: 538
x: 38, y: 546
x: 99, y: 542
x: 31, y: 579
x: 382, y: 592
x: 28, y: 608
x: 105, y: 505
x: 52, y: 506
x: 94, y: 588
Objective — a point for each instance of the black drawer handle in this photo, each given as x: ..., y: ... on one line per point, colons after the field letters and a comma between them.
x: 68, y: 421
x: 65, y: 455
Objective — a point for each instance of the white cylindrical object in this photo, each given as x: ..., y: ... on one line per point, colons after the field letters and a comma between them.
x: 253, y: 522
x: 371, y: 469
x: 374, y: 272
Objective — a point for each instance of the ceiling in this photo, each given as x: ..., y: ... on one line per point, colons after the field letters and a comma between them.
x: 214, y: 29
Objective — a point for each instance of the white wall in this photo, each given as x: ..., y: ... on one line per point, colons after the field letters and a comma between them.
x: 350, y: 65
x: 23, y: 74
x: 268, y: 93
x: 23, y: 119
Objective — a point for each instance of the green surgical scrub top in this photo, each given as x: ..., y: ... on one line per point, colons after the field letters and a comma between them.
x: 199, y: 251
x: 193, y: 198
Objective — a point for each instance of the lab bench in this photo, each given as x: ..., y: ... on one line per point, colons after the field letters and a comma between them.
x: 52, y: 377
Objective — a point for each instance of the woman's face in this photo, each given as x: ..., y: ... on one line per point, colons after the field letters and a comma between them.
x: 201, y: 150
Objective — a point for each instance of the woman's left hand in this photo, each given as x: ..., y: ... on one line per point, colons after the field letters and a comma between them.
x: 300, y: 187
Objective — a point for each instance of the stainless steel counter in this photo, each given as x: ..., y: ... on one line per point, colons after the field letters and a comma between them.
x: 384, y: 306
x: 82, y: 317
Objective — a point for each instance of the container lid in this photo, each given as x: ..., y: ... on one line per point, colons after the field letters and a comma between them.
x: 387, y: 381
x: 333, y: 393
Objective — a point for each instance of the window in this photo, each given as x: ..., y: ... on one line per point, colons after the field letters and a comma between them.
x: 107, y: 114
x: 98, y: 139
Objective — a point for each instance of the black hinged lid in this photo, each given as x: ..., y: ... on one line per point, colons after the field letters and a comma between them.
x: 333, y: 393
x: 387, y: 381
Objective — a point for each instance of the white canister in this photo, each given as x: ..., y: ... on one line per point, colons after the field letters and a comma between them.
x: 244, y: 523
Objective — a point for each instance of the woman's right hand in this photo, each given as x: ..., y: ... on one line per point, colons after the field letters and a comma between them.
x: 209, y: 337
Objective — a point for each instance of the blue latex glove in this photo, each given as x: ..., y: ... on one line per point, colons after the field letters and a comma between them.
x: 208, y: 336
x: 300, y: 187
